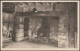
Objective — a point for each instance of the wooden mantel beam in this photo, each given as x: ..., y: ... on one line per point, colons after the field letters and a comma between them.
x: 41, y: 13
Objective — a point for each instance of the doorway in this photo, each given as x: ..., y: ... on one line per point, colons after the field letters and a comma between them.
x: 26, y: 26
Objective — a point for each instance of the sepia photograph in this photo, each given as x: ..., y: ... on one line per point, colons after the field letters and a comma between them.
x: 39, y: 25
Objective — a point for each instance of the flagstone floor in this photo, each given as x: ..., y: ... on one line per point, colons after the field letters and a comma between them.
x: 26, y: 43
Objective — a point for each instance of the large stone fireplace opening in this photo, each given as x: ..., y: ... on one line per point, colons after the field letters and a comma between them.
x: 45, y: 28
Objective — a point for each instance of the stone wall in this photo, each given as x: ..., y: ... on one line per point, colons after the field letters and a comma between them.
x: 63, y: 31
x: 54, y: 28
x: 7, y: 22
x: 40, y: 6
x: 73, y: 27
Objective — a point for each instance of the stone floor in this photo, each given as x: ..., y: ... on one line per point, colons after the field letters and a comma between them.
x: 26, y: 43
